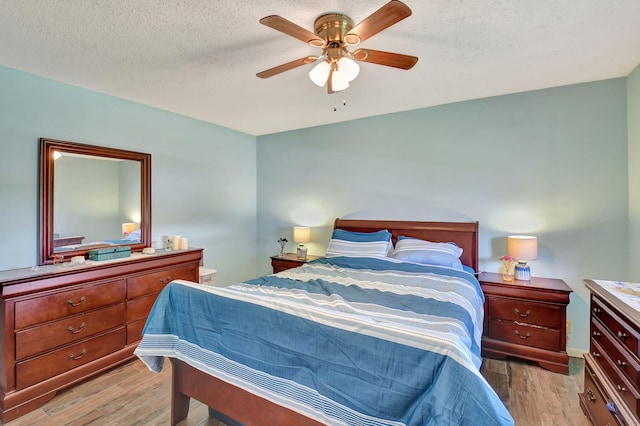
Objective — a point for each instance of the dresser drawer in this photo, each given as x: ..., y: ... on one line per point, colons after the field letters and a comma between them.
x: 624, y: 388
x: 524, y: 312
x: 625, y: 362
x: 511, y: 332
x: 619, y: 326
x: 139, y: 308
x: 42, y: 338
x: 59, y: 305
x: 134, y: 331
x: 155, y: 282
x: 56, y: 362
x: 595, y: 400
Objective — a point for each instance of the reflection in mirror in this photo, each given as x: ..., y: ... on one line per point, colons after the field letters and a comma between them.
x: 93, y: 210
x: 92, y: 197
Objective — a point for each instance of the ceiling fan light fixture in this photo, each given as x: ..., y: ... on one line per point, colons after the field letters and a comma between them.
x: 320, y: 73
x: 348, y: 68
x: 338, y: 81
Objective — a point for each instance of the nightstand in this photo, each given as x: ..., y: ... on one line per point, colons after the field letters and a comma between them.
x: 288, y: 261
x: 526, y: 319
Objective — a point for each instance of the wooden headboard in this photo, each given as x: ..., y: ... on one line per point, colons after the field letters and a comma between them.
x: 464, y: 234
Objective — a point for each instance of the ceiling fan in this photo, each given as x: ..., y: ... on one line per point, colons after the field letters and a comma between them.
x: 334, y: 33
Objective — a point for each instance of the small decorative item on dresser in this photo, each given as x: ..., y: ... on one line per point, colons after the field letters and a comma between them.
x: 507, y: 264
x: 301, y: 234
x: 283, y: 242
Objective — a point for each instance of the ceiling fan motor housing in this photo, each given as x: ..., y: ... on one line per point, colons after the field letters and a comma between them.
x: 333, y: 27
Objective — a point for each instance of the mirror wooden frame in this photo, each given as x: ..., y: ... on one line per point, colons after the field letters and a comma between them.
x: 47, y: 178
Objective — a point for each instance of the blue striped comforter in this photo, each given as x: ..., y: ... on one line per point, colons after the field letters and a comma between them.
x: 355, y: 341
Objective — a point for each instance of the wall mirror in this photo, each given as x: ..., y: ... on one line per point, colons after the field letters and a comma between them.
x: 92, y: 197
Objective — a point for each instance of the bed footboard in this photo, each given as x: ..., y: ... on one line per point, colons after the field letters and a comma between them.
x: 228, y: 400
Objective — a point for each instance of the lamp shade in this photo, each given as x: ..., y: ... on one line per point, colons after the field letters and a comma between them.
x: 344, y: 71
x: 128, y: 228
x: 301, y: 234
x: 523, y: 247
x: 320, y: 73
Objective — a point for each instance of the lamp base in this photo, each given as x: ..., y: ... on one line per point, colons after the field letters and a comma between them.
x: 522, y: 271
x: 301, y: 253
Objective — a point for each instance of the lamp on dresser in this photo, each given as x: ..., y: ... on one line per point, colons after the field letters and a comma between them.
x: 301, y: 234
x: 523, y: 248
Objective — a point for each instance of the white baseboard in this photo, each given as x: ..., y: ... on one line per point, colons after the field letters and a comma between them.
x: 577, y: 353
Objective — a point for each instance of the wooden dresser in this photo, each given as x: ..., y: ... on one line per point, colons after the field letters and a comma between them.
x: 63, y: 323
x: 612, y: 366
x: 526, y: 319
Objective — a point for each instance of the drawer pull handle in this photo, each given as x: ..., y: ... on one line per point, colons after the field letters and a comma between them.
x: 595, y: 354
x: 526, y: 314
x: 168, y: 280
x: 70, y: 302
x: 622, y: 335
x: 621, y: 388
x: 73, y: 331
x: 622, y: 363
x: 597, y: 310
x: 526, y: 336
x: 75, y: 358
x: 596, y: 334
x: 590, y: 395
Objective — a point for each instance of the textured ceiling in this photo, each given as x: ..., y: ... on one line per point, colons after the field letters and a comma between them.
x: 199, y: 58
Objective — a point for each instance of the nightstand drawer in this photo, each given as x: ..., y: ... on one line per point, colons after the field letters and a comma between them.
x: 524, y: 312
x: 280, y: 265
x: 511, y: 332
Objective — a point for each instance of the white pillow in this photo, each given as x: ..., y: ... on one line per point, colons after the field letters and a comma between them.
x: 427, y: 252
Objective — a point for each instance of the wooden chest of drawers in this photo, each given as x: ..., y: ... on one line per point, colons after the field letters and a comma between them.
x: 613, y: 362
x: 63, y: 324
x: 526, y: 319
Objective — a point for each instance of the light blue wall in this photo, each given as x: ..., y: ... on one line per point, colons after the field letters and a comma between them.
x: 552, y: 163
x: 203, y: 175
x: 633, y: 126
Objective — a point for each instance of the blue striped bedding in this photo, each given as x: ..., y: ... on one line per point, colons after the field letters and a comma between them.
x: 345, y: 341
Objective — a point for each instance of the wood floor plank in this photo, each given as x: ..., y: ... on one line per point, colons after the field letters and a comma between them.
x: 132, y: 395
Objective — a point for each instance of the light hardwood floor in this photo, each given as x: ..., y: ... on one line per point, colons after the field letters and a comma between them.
x: 131, y: 395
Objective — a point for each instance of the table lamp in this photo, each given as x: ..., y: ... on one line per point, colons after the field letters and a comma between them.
x: 128, y: 228
x: 301, y: 234
x: 523, y: 248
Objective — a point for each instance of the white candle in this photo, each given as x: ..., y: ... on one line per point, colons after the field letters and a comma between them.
x: 184, y: 243
x: 176, y: 242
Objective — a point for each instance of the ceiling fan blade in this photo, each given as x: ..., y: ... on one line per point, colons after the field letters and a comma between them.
x: 294, y: 30
x: 389, y: 59
x: 389, y: 14
x: 286, y: 67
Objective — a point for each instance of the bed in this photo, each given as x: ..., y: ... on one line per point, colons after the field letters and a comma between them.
x: 340, y: 340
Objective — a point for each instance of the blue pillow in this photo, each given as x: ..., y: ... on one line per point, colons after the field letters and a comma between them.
x: 427, y: 252
x: 359, y: 244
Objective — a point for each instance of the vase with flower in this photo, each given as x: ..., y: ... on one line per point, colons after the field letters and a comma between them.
x: 508, y: 262
x: 283, y: 242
